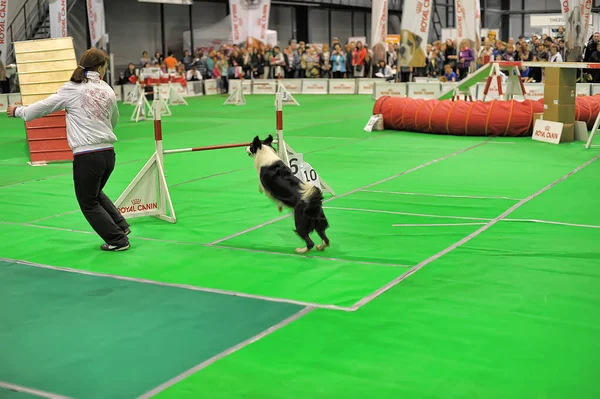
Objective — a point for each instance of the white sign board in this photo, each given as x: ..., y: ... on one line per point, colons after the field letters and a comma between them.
x: 118, y: 92
x: 14, y: 99
x: 235, y: 83
x: 389, y: 89
x: 293, y: 86
x: 264, y: 87
x: 3, y: 102
x: 546, y: 20
x: 366, y: 86
x: 584, y: 89
x: 315, y: 86
x: 210, y: 85
x: 128, y: 90
x: 424, y: 90
x: 534, y: 91
x: 342, y: 86
x: 372, y: 122
x: 547, y: 131
x: 303, y: 171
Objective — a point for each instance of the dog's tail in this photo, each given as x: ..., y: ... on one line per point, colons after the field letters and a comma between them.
x: 312, y: 199
x: 309, y: 212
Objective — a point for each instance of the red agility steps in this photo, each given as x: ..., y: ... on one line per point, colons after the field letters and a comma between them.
x: 462, y: 118
x: 47, y: 138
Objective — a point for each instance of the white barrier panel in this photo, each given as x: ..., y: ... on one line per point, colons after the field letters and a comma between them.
x: 534, y: 91
x: 235, y: 83
x: 293, y: 86
x: 595, y: 89
x: 424, y: 90
x: 128, y: 89
x: 165, y: 92
x: 366, y: 86
x: 314, y: 86
x: 3, y: 102
x: 342, y: 86
x: 264, y: 87
x: 389, y: 89
x: 182, y: 91
x: 210, y: 86
x: 118, y: 89
x: 194, y: 89
x: 584, y: 89
x: 14, y: 99
x: 247, y: 85
x: 493, y: 93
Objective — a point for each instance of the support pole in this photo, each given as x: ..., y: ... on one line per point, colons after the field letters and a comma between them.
x: 281, y: 147
x: 206, y: 148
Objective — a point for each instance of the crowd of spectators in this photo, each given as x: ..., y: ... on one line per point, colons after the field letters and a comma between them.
x: 446, y: 61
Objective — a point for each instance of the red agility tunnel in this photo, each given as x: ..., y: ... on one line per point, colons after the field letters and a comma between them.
x: 461, y: 118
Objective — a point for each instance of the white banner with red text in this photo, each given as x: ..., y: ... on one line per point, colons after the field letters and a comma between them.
x: 58, y: 18
x: 379, y: 27
x: 467, y: 21
x: 3, y: 29
x: 95, y: 10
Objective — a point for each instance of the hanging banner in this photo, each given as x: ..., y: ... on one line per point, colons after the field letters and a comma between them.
x: 379, y: 27
x: 478, y: 26
x: 416, y: 21
x: 58, y: 18
x: 3, y: 29
x: 467, y: 24
x: 258, y: 21
x: 95, y: 9
x: 249, y: 20
x: 577, y: 16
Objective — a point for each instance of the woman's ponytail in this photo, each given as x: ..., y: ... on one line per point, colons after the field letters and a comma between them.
x: 79, y: 75
x: 92, y: 60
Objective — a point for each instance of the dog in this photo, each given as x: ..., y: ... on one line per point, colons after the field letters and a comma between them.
x: 410, y: 52
x: 276, y: 180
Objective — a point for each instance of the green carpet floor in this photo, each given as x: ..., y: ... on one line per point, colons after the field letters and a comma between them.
x: 511, y: 313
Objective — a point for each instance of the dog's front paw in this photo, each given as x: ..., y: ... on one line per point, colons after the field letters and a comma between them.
x: 280, y: 208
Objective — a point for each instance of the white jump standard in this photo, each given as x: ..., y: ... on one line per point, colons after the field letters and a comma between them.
x: 148, y: 193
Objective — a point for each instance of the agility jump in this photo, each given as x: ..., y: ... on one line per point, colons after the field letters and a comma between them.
x: 148, y: 193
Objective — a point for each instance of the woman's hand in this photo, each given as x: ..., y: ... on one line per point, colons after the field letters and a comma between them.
x: 11, y: 111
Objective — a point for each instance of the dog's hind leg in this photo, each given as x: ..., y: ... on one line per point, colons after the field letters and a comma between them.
x: 320, y: 226
x: 303, y: 230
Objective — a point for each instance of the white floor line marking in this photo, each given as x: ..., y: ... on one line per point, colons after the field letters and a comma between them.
x: 589, y: 226
x: 54, y: 216
x: 260, y: 251
x: 225, y: 353
x: 322, y: 137
x: 441, y: 195
x: 353, y: 191
x: 174, y: 285
x: 198, y: 244
x: 36, y: 392
x: 438, y: 224
x: 427, y: 261
x: 404, y: 213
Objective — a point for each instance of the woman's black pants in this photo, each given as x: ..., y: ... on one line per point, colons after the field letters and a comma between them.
x: 90, y: 173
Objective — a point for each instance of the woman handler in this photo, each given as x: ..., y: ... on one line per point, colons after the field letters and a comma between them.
x: 92, y: 114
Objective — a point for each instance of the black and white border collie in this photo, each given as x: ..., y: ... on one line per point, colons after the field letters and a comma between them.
x: 277, y: 181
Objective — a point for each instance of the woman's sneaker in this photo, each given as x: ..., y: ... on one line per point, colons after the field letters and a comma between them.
x: 115, y: 248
